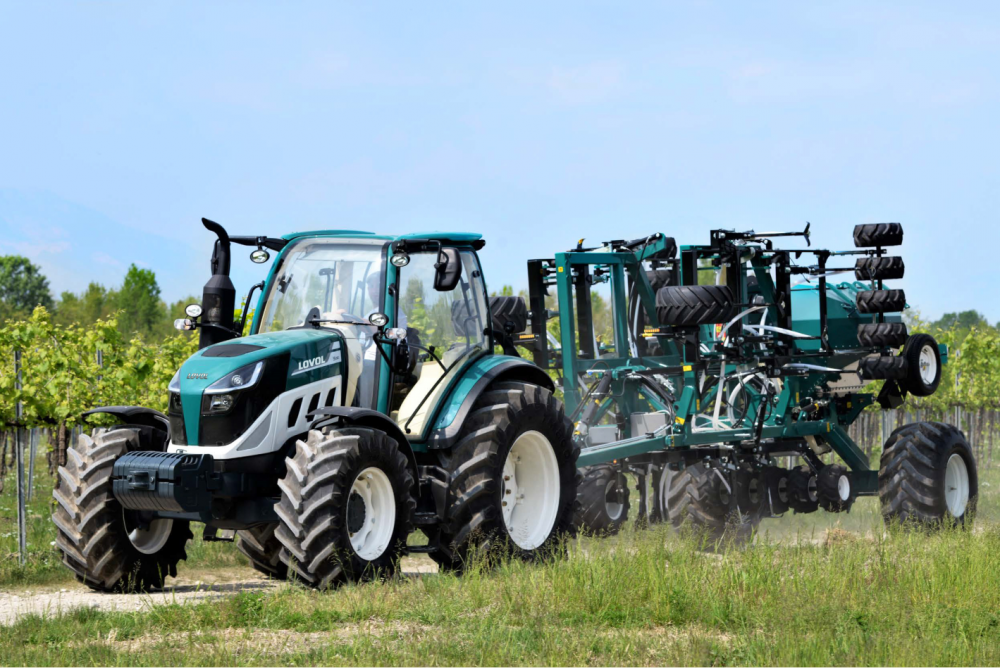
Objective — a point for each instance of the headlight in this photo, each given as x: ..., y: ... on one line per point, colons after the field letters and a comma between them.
x: 240, y: 379
x: 175, y: 383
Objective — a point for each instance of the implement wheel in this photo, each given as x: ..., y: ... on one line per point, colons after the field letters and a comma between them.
x: 603, y: 500
x: 698, y: 498
x: 103, y: 544
x: 927, y: 477
x: 513, y: 477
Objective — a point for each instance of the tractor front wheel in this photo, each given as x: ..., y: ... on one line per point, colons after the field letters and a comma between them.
x: 263, y: 549
x: 107, y: 547
x: 346, y: 507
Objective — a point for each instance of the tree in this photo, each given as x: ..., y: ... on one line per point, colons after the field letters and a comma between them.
x: 139, y: 302
x: 22, y: 287
x: 95, y: 303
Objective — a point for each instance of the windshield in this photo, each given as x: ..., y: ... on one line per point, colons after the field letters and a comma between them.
x: 339, y: 282
x: 343, y: 281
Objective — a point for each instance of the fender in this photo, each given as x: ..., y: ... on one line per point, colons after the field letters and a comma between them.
x: 454, y: 410
x: 365, y: 417
x: 156, y: 423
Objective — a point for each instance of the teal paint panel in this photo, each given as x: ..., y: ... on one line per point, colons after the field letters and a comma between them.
x: 461, y: 388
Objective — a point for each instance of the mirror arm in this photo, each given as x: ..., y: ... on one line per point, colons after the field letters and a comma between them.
x: 246, y: 306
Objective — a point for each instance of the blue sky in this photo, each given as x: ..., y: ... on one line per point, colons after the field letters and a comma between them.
x: 122, y: 124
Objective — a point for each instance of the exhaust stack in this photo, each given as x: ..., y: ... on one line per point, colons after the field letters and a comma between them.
x: 218, y: 298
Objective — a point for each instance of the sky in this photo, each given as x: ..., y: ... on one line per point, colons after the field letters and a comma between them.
x: 122, y: 124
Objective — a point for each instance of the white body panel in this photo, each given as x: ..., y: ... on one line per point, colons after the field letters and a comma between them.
x: 270, y: 430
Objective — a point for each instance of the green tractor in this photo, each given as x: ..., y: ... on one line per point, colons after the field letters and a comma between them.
x: 366, y: 402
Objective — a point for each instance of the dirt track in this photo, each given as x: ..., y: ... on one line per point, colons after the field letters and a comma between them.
x: 189, y: 588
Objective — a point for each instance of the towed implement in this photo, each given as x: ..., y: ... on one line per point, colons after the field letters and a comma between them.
x: 730, y: 358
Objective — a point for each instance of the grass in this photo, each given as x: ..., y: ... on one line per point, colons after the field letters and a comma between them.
x: 802, y: 595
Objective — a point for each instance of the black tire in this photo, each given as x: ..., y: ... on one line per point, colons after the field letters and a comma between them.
x: 318, y: 510
x: 803, y: 496
x: 879, y: 268
x: 878, y: 234
x: 881, y: 301
x: 92, y: 533
x: 882, y: 334
x: 776, y: 479
x: 883, y: 368
x: 504, y: 309
x: 696, y: 498
x: 912, y: 476
x: 751, y: 491
x: 833, y: 485
x: 474, y: 522
x: 692, y: 305
x: 263, y: 549
x: 603, y: 497
x: 922, y: 359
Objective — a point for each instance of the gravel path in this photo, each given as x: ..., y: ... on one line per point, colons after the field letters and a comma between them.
x: 189, y: 588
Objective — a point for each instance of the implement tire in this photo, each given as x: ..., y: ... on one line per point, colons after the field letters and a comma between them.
x: 93, y: 537
x: 882, y: 334
x: 346, y: 507
x: 883, y: 368
x: 692, y: 305
x: 696, y: 498
x: 879, y: 268
x: 803, y: 496
x: 517, y: 431
x: 878, y: 234
x: 881, y: 301
x: 603, y: 498
x: 263, y: 549
x: 927, y: 477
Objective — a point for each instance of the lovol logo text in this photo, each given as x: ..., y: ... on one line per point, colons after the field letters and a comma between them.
x: 317, y: 362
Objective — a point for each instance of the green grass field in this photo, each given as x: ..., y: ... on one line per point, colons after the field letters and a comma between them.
x: 814, y: 590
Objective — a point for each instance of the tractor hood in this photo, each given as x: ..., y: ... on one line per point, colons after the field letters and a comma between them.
x: 222, y: 389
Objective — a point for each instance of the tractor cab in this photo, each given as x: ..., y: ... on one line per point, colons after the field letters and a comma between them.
x: 409, y: 310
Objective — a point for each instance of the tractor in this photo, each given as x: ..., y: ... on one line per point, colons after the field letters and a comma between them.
x: 732, y: 358
x: 366, y: 402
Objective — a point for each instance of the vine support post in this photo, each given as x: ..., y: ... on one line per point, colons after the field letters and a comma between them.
x: 22, y: 526
x: 34, y: 435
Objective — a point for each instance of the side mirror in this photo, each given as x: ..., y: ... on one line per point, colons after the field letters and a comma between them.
x: 448, y: 270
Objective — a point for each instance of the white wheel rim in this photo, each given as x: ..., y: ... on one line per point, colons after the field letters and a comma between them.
x: 529, y: 491
x: 372, y: 497
x: 612, y: 508
x: 811, y: 489
x: 152, y: 539
x: 956, y: 485
x: 843, y: 488
x: 928, y: 365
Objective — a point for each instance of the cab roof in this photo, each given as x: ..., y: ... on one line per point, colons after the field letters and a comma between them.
x: 454, y: 237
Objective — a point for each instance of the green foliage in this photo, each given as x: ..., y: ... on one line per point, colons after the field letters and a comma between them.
x: 22, y: 287
x: 61, y: 377
x: 139, y: 302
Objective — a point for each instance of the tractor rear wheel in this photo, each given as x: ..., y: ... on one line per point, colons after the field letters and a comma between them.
x: 346, y: 507
x: 513, y: 477
x: 604, y: 500
x: 927, y: 477
x: 263, y: 549
x: 102, y: 543
x: 698, y: 498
